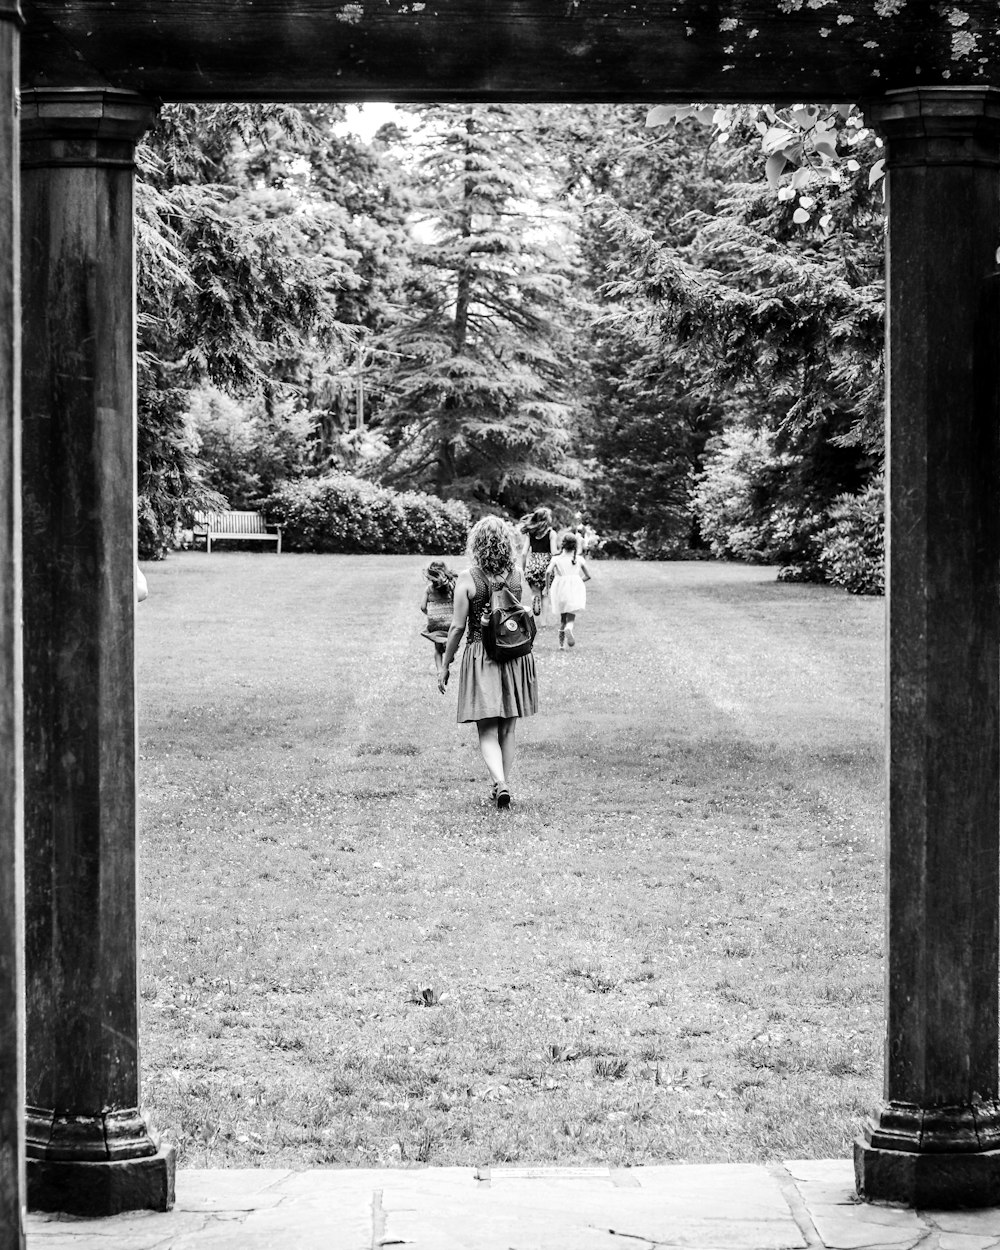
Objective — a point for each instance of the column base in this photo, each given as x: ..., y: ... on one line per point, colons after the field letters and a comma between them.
x: 103, y: 1188
x: 928, y: 1181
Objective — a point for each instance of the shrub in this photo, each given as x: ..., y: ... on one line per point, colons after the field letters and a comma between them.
x: 852, y: 546
x: 249, y: 449
x: 646, y: 544
x: 756, y: 503
x: 340, y: 513
x: 737, y: 501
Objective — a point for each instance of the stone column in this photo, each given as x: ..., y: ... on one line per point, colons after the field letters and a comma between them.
x: 89, y: 1147
x: 935, y: 1140
x: 11, y: 873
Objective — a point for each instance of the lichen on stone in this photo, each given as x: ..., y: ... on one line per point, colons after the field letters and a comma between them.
x: 963, y: 43
x: 889, y: 8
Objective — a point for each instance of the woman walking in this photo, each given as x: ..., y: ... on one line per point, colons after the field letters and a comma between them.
x: 494, y: 695
x: 566, y: 576
x: 540, y: 544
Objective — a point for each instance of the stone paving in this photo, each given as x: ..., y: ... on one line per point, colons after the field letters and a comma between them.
x: 792, y: 1206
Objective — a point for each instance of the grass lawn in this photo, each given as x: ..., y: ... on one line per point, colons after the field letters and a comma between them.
x: 669, y: 949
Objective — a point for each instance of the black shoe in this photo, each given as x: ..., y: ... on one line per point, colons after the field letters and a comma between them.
x: 503, y: 798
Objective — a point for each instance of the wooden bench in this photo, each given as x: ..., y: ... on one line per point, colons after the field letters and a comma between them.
x: 246, y: 527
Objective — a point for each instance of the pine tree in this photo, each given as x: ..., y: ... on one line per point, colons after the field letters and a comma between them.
x: 643, y: 430
x: 480, y: 407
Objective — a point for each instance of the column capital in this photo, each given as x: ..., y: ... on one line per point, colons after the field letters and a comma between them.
x: 948, y: 125
x: 10, y: 11
x: 85, y: 113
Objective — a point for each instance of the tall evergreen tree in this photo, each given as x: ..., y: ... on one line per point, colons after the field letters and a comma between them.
x: 643, y: 429
x: 480, y: 407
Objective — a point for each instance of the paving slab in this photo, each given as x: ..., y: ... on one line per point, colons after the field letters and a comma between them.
x: 229, y: 1189
x: 841, y: 1220
x: 146, y: 1230
x: 964, y: 1241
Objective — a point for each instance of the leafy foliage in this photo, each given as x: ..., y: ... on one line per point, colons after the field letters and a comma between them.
x: 521, y: 304
x: 340, y: 513
x: 479, y: 407
x: 643, y: 429
x: 852, y: 547
x: 778, y: 310
x: 250, y: 448
x: 249, y: 275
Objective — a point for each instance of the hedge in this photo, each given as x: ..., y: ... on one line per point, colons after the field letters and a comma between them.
x: 341, y: 513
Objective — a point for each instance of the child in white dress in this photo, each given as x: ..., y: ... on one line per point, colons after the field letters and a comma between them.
x: 565, y: 578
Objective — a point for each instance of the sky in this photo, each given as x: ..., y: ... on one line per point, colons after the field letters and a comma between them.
x: 365, y: 119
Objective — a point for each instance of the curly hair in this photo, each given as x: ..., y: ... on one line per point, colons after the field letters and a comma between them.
x: 491, y: 546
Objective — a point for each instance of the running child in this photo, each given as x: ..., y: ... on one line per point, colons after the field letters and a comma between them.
x: 564, y: 580
x: 438, y: 604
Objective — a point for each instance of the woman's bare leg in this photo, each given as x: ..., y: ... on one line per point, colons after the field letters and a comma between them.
x: 505, y: 733
x: 489, y: 745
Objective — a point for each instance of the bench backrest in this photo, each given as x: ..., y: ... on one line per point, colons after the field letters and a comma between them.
x: 231, y: 522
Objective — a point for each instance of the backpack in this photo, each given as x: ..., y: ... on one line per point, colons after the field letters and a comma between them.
x: 508, y: 628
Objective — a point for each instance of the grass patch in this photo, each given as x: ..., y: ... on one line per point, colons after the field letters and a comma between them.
x: 669, y: 949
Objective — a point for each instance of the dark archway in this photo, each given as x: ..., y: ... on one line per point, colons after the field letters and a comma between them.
x: 90, y: 75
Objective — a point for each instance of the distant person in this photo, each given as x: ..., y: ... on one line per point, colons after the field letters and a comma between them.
x: 540, y: 544
x: 588, y: 540
x: 493, y: 695
x: 438, y: 604
x: 566, y: 575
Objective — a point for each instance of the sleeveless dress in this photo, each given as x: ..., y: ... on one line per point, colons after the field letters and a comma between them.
x: 539, y: 555
x: 569, y: 590
x: 485, y: 688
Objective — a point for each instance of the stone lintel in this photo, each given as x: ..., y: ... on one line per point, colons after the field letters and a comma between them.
x: 108, y: 1188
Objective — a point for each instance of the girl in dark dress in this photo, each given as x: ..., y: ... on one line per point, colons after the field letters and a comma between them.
x: 493, y: 695
x: 540, y: 545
